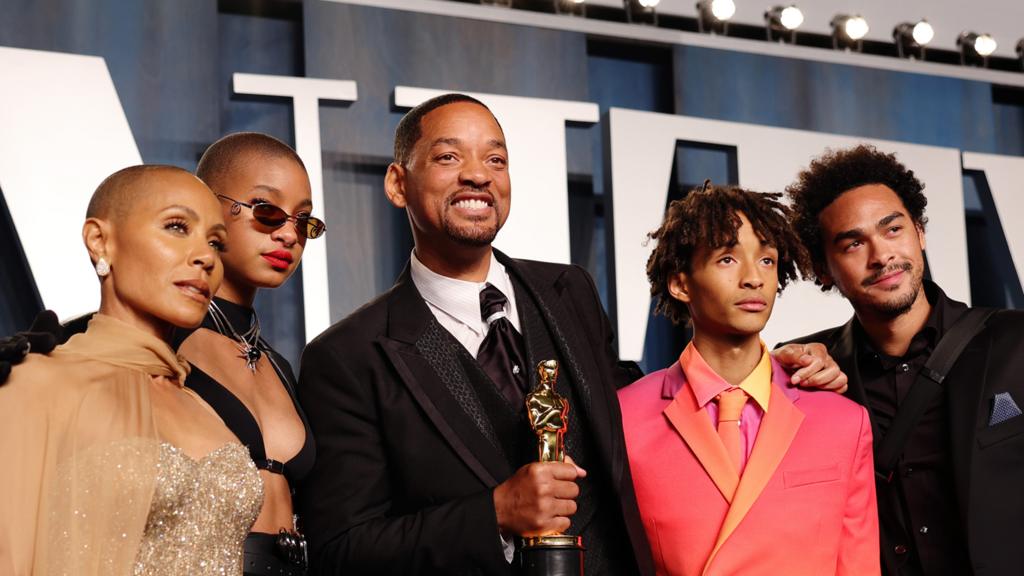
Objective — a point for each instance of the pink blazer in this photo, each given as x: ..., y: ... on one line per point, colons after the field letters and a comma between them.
x: 805, y: 504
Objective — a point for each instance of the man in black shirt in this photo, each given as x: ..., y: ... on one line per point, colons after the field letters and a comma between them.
x: 952, y: 505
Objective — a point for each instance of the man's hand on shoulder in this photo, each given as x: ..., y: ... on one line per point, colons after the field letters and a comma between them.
x: 41, y: 338
x: 538, y: 499
x: 812, y: 366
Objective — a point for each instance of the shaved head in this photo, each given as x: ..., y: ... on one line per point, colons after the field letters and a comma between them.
x: 114, y: 197
x: 227, y: 154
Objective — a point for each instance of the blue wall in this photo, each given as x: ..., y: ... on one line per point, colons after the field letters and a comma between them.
x: 172, y: 60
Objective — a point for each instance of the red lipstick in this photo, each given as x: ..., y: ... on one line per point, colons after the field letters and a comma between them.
x: 278, y: 259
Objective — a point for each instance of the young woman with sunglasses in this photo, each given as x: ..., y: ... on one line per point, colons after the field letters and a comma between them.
x: 265, y: 196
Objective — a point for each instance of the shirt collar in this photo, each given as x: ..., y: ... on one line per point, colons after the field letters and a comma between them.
x: 459, y: 299
x: 707, y: 383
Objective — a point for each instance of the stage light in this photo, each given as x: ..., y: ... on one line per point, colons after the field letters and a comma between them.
x: 975, y: 47
x: 985, y: 45
x: 855, y: 27
x: 723, y: 9
x: 714, y: 15
x: 641, y: 11
x: 782, y: 21
x: 849, y: 31
x: 923, y: 33
x: 912, y: 37
x: 571, y: 7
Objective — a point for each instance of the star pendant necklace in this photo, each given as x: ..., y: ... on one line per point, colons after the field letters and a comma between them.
x: 248, y: 343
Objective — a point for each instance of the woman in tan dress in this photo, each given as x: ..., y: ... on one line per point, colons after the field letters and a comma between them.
x: 111, y: 465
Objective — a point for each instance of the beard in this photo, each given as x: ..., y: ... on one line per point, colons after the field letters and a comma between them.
x: 901, y: 303
x: 470, y: 235
x: 475, y: 234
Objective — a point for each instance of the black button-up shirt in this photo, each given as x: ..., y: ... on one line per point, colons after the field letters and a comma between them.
x: 917, y: 509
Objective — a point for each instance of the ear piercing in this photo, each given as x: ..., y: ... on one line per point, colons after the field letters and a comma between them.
x: 102, y: 267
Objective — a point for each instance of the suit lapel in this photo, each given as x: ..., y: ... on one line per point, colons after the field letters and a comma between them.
x: 694, y: 426
x: 556, y: 314
x: 774, y: 437
x: 843, y: 350
x: 966, y: 402
x: 425, y: 357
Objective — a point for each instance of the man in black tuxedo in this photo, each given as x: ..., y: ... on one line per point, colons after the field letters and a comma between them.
x: 425, y: 460
x: 952, y: 504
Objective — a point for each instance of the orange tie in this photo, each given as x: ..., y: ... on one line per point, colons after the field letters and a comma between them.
x: 730, y: 405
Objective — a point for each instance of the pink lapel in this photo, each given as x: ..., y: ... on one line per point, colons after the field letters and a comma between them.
x: 778, y: 428
x: 694, y: 426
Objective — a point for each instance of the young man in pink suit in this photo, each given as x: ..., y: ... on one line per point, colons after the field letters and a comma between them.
x: 735, y: 470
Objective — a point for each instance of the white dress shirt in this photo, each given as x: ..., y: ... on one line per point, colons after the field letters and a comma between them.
x: 456, y: 305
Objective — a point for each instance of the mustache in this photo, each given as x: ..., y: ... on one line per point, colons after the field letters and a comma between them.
x: 902, y: 267
x: 472, y: 189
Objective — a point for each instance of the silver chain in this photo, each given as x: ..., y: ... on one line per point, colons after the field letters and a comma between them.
x: 249, y: 343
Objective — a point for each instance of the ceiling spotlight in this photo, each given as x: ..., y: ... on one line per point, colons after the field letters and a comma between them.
x: 714, y: 15
x: 923, y: 32
x: 911, y: 39
x: 849, y: 31
x: 641, y: 11
x: 975, y: 47
x: 985, y: 45
x: 781, y: 22
x: 571, y: 7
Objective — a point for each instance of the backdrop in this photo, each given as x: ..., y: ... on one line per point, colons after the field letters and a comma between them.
x: 603, y: 130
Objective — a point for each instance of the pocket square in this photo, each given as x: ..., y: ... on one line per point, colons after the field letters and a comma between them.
x: 1003, y: 408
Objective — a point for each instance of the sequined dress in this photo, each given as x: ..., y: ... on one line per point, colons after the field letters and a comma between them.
x: 90, y: 488
x: 200, y: 513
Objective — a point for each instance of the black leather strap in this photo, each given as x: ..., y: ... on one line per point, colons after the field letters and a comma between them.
x: 270, y: 466
x: 927, y: 385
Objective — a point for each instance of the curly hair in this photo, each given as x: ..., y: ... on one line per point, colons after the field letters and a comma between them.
x: 838, y: 171
x: 709, y: 217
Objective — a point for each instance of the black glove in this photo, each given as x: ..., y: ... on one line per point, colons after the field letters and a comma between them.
x: 41, y: 338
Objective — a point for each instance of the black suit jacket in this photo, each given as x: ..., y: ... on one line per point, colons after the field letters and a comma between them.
x: 987, y: 461
x: 404, y: 475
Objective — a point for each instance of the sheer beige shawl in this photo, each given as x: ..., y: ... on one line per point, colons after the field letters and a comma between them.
x: 79, y: 452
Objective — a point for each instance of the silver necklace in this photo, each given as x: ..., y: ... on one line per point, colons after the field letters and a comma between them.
x: 248, y: 343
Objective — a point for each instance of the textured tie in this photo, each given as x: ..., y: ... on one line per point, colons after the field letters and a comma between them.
x: 501, y: 353
x: 730, y: 405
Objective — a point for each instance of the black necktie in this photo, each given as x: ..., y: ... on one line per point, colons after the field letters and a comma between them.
x: 501, y: 353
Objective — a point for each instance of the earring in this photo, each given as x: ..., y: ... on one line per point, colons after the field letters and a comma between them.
x: 102, y: 267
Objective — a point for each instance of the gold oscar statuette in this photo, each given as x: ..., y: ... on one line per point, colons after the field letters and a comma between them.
x: 550, y: 554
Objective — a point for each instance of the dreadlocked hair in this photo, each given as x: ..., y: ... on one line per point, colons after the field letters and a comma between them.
x: 709, y: 218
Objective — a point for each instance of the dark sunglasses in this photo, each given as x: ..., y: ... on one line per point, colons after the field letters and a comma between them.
x: 274, y: 217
